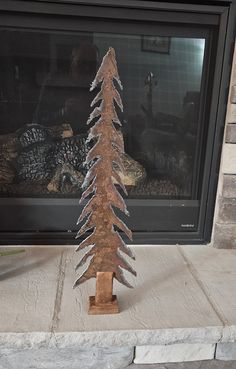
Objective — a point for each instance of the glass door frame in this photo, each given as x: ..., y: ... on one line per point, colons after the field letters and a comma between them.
x: 76, y: 15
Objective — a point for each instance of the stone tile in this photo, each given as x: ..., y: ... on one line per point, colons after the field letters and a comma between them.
x: 233, y: 94
x: 227, y: 211
x: 215, y: 270
x: 28, y: 287
x: 225, y: 236
x: 39, y: 308
x: 231, y: 113
x: 226, y: 351
x: 229, y: 186
x: 228, y: 165
x: 212, y: 364
x: 173, y: 353
x: 77, y: 358
x: 166, y: 306
x: 230, y: 134
x: 233, y: 72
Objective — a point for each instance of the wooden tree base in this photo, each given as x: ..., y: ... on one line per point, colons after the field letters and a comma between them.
x: 104, y: 302
x: 105, y: 308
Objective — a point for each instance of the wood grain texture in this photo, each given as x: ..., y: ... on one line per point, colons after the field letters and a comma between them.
x: 103, y: 302
x: 216, y: 271
x: 110, y: 307
x: 104, y: 286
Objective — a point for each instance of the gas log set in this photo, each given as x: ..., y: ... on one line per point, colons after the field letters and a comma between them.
x: 38, y: 160
x: 49, y: 160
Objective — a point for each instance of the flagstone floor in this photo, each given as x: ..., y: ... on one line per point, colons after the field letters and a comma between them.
x: 182, y: 294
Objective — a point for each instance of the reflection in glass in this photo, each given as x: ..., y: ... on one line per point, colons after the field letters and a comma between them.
x: 45, y: 102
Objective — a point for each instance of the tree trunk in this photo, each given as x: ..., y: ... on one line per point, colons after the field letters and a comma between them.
x: 103, y: 302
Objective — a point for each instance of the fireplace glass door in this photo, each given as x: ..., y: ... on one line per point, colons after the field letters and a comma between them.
x: 46, y: 70
x: 45, y: 104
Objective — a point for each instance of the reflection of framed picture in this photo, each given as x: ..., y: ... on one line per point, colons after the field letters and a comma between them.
x: 157, y: 44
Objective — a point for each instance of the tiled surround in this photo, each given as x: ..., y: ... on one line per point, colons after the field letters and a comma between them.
x: 224, y: 229
x: 76, y: 358
x: 210, y: 364
x: 186, y: 353
x: 174, y: 353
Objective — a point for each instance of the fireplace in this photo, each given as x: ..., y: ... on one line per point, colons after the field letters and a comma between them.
x: 173, y: 63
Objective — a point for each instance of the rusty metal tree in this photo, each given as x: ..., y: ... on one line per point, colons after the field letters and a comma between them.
x: 104, y: 160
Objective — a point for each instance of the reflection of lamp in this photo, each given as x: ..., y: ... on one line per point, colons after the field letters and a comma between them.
x: 150, y: 81
x: 199, y: 52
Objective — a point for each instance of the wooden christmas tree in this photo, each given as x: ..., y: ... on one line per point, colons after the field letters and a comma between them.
x: 98, y: 215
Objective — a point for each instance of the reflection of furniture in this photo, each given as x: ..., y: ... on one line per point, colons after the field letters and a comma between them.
x: 45, y: 79
x: 190, y: 112
x: 64, y: 95
x: 167, y: 147
x: 167, y: 155
x: 170, y: 127
x: 187, y: 121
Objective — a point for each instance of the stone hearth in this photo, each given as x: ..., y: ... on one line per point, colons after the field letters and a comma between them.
x: 183, y: 297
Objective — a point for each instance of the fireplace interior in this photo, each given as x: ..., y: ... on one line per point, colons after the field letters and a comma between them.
x: 45, y: 103
x: 167, y: 67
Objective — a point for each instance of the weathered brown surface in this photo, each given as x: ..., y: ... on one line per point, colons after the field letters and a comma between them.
x: 132, y: 172
x: 110, y: 307
x: 105, y: 156
x: 104, y: 302
x: 104, y: 285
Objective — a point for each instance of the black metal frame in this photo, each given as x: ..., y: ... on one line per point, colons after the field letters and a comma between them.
x: 37, y: 13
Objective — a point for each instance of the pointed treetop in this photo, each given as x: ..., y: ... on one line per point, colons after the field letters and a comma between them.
x: 108, y: 69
